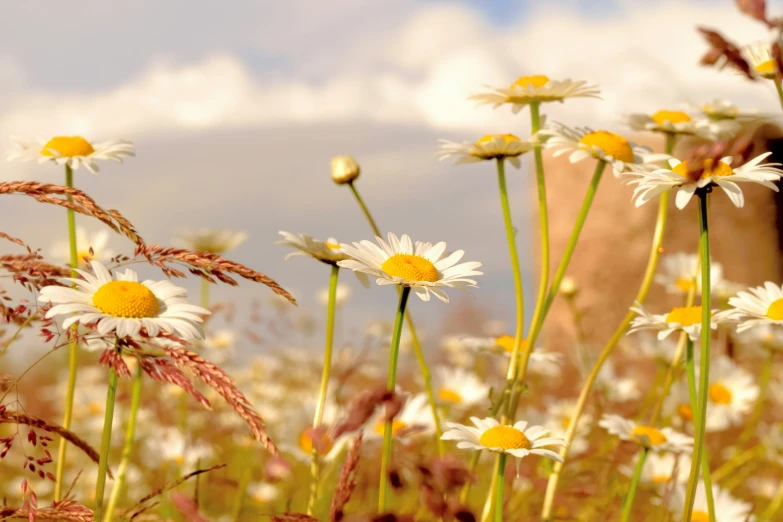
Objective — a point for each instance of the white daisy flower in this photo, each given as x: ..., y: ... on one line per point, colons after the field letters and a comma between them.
x: 73, y: 151
x: 686, y: 319
x: 649, y: 184
x: 342, y: 295
x: 762, y: 305
x: 680, y: 272
x: 219, y: 346
x: 97, y: 241
x: 661, y: 468
x: 212, y: 240
x: 460, y: 388
x: 731, y: 395
x: 414, y: 419
x: 328, y: 251
x: 519, y: 440
x: 761, y: 338
x: 420, y: 266
x: 727, y: 508
x: 557, y: 419
x: 665, y: 439
x: 124, y: 306
x: 649, y: 345
x: 490, y: 147
x: 584, y: 142
x: 617, y: 388
x: 535, y: 89
x: 542, y: 361
x: 299, y: 442
x: 672, y: 122
x: 678, y: 405
x: 722, y: 110
x: 262, y: 492
x: 759, y: 57
x: 170, y: 447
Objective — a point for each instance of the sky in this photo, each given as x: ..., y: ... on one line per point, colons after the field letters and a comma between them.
x: 237, y: 108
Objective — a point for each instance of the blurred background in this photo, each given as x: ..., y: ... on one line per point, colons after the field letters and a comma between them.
x: 236, y: 109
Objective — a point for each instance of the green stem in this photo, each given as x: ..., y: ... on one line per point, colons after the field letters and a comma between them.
x: 127, y: 448
x: 764, y: 378
x: 488, y: 503
x: 244, y: 481
x: 700, y: 417
x: 501, y: 482
x: 637, y: 475
x: 73, y: 353
x: 315, y: 465
x: 103, y: 462
x: 205, y: 293
x: 391, y: 383
x: 779, y: 88
x: 774, y: 505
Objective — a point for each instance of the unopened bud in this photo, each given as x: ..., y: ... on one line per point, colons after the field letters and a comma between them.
x: 344, y: 169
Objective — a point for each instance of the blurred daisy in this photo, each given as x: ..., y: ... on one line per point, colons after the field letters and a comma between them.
x: 97, y: 241
x: 722, y: 110
x: 342, y: 295
x: 759, y: 57
x: 731, y: 395
x: 420, y: 266
x: 124, y: 306
x: 460, y: 388
x: 727, y: 508
x: 534, y: 89
x: 325, y: 251
x: 678, y: 405
x: 650, y: 346
x: 617, y: 388
x: 557, y: 419
x: 212, y: 240
x: 708, y: 173
x: 672, y: 122
x: 219, y: 346
x: 72, y: 151
x: 686, y: 319
x: 415, y: 418
x: 762, y: 305
x: 262, y: 492
x: 584, y: 142
x: 665, y: 439
x: 170, y: 447
x: 661, y: 468
x: 761, y: 338
x: 541, y: 361
x: 518, y: 440
x: 680, y: 272
x: 302, y: 439
x: 490, y: 147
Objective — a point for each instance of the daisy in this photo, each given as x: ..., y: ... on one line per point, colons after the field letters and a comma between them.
x: 420, y: 266
x: 617, y: 388
x: 686, y: 319
x: 707, y: 173
x: 170, y: 447
x: 328, y: 251
x: 534, y: 89
x: 672, y: 122
x: 518, y: 440
x: 460, y: 388
x: 299, y: 442
x: 731, y: 395
x: 727, y: 508
x: 415, y: 418
x: 759, y: 57
x: 72, y: 151
x: 722, y: 110
x: 220, y: 346
x: 262, y: 492
x: 650, y: 346
x: 490, y: 147
x: 762, y: 305
x: 661, y: 468
x: 342, y: 295
x: 124, y: 306
x: 762, y: 338
x: 584, y: 142
x: 680, y: 272
x: 557, y: 419
x: 212, y: 240
x: 97, y: 241
x: 541, y: 361
x: 678, y: 405
x: 344, y: 169
x: 665, y: 439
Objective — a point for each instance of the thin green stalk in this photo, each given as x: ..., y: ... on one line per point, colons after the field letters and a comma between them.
x: 205, y: 293
x: 487, y: 511
x: 423, y: 368
x: 315, y: 464
x: 764, y: 378
x: 738, y: 461
x: 103, y: 462
x: 73, y: 349
x: 700, y: 417
x: 383, y: 495
x: 501, y: 482
x: 779, y: 88
x: 127, y: 448
x: 774, y: 505
x: 244, y: 482
x: 637, y: 475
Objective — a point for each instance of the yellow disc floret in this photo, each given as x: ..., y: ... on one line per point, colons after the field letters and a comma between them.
x: 507, y: 343
x: 126, y: 299
x: 448, y: 395
x: 719, y: 394
x: 700, y: 516
x: 685, y: 284
x: 662, y: 117
x: 410, y: 268
x: 397, y: 425
x: 610, y: 143
x: 306, y: 442
x: 648, y: 435
x: 767, y: 69
x: 686, y: 316
x: 507, y: 138
x: 504, y: 437
x: 709, y: 168
x: 685, y: 411
x: 67, y: 147
x: 775, y: 310
x: 536, y: 80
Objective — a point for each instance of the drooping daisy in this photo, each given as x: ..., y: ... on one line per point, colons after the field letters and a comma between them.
x: 758, y: 306
x: 73, y: 151
x: 727, y: 508
x: 519, y: 440
x: 414, y: 419
x: 672, y: 122
x: 420, y: 266
x: 97, y: 241
x: 731, y: 395
x: 584, y: 142
x: 328, y: 251
x: 688, y: 176
x: 657, y: 440
x: 759, y: 57
x: 212, y: 240
x: 534, y: 89
x: 460, y: 388
x: 680, y: 272
x: 490, y: 147
x: 686, y: 319
x: 124, y: 306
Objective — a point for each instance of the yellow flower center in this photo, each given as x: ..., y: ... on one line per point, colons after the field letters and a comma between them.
x: 507, y: 138
x: 82, y: 255
x: 565, y: 422
x: 653, y: 436
x: 126, y: 299
x: 686, y: 316
x: 448, y: 395
x: 504, y: 437
x: 685, y: 411
x: 775, y: 310
x: 67, y: 146
x: 332, y: 246
x: 700, y: 516
x: 95, y: 407
x: 179, y: 460
x: 306, y: 442
x: 661, y: 117
x: 410, y: 268
x: 709, y: 168
x: 536, y: 80
x: 767, y: 69
x: 660, y: 479
x: 507, y: 343
x: 612, y: 144
x: 685, y: 284
x: 397, y: 425
x: 719, y: 394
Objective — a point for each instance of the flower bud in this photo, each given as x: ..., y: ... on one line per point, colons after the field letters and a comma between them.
x: 568, y: 287
x: 344, y: 169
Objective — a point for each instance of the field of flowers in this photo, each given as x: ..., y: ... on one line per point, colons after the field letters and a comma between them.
x: 147, y: 406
